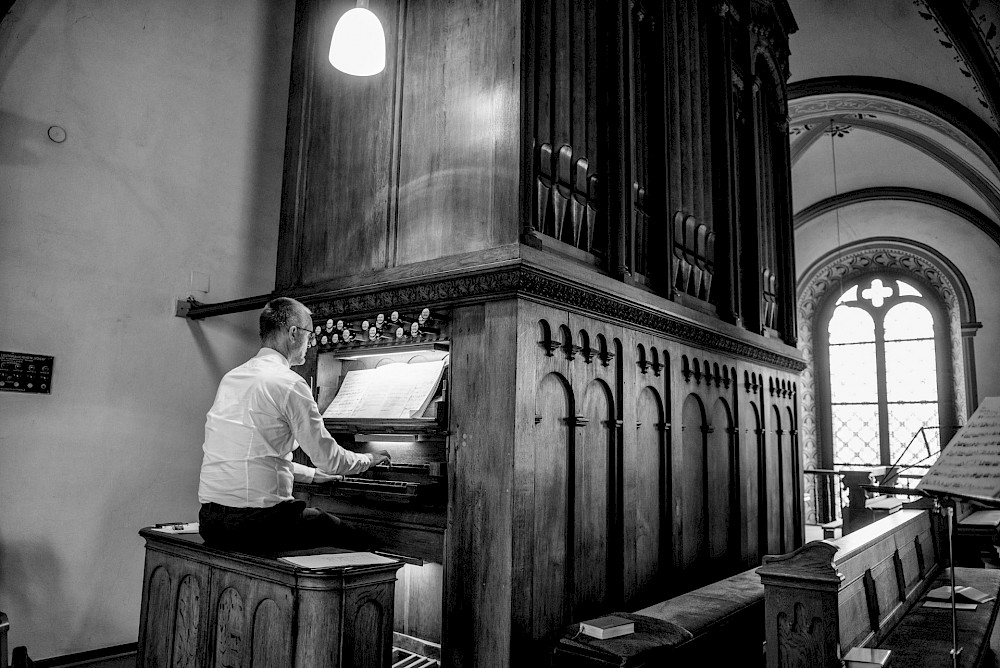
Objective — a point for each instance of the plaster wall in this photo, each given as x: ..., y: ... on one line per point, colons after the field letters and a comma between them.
x: 866, y: 160
x: 975, y: 255
x: 174, y: 114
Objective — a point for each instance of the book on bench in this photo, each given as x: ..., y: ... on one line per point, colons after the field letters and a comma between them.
x: 966, y: 598
x: 609, y: 626
x: 866, y: 657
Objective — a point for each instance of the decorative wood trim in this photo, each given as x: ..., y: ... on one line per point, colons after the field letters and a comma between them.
x: 813, y: 563
x: 921, y: 564
x: 897, y: 563
x: 527, y: 282
x: 871, y: 598
x: 550, y: 346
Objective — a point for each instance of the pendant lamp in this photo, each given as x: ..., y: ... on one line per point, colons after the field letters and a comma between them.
x: 358, y: 44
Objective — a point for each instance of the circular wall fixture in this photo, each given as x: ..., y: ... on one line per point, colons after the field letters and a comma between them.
x: 57, y: 134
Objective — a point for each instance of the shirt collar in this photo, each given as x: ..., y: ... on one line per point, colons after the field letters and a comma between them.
x: 274, y: 355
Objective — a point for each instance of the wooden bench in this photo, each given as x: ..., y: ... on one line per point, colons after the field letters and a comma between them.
x: 719, y: 624
x: 866, y: 590
x: 207, y: 607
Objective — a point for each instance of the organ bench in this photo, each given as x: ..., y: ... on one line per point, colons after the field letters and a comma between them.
x: 208, y: 607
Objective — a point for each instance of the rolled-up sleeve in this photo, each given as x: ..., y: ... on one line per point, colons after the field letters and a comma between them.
x: 309, y: 431
x: 302, y: 473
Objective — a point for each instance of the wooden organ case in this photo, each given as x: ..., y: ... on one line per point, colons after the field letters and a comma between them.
x: 597, y: 194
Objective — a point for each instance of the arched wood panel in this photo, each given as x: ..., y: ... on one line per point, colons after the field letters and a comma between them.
x: 692, y: 479
x: 270, y: 623
x: 789, y: 483
x: 187, y: 623
x: 230, y: 629
x: 595, y: 527
x: 652, y: 497
x: 721, y: 481
x: 772, y: 485
x: 159, y: 619
x: 752, y: 475
x: 553, y: 443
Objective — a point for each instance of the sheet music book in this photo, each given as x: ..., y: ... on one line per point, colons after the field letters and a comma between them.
x: 963, y: 594
x: 391, y: 391
x: 970, y: 466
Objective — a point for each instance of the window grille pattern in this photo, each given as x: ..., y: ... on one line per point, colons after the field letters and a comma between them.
x: 883, y: 376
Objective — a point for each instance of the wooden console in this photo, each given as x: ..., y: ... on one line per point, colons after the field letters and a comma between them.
x: 203, y: 606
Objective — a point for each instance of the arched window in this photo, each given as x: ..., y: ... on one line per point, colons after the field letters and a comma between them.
x: 883, y: 346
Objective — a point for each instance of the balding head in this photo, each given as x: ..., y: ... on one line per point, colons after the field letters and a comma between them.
x: 280, y: 314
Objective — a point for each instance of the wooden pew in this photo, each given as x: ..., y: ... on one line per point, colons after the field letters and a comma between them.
x: 719, y: 624
x: 866, y: 590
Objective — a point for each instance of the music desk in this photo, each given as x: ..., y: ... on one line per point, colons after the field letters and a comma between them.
x: 205, y: 607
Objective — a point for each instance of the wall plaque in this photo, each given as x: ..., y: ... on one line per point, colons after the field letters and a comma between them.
x: 23, y: 372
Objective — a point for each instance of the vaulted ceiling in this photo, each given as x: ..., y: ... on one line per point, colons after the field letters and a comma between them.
x: 893, y: 115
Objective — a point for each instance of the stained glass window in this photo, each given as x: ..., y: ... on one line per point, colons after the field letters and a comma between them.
x: 883, y: 376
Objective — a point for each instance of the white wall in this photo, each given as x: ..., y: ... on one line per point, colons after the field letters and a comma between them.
x: 175, y: 121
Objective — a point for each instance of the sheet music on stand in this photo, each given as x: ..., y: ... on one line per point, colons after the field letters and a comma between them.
x: 968, y: 469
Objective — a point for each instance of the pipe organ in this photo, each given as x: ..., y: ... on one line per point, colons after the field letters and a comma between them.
x: 596, y: 195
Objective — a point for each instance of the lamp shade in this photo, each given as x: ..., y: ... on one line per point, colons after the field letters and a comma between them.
x: 358, y: 45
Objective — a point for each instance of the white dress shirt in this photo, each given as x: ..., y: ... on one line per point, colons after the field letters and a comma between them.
x: 262, y: 412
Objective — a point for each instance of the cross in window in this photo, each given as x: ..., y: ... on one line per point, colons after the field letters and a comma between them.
x: 877, y: 293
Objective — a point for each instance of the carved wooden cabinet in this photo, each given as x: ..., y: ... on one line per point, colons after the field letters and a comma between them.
x: 598, y: 194
x: 203, y: 607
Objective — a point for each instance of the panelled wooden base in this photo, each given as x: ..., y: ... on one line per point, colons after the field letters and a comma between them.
x: 207, y: 607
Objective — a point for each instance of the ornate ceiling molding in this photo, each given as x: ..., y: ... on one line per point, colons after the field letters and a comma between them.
x: 938, y: 152
x: 892, y: 97
x: 970, y: 27
x: 937, y: 200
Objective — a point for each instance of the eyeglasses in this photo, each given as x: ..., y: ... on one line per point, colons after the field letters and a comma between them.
x: 312, y: 335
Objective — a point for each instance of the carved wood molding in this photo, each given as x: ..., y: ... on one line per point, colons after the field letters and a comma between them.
x: 813, y: 563
x: 528, y: 282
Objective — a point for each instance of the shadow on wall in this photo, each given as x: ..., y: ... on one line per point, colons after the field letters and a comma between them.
x: 24, y: 139
x: 266, y: 134
x: 232, y: 327
x: 15, y: 32
x: 32, y: 583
